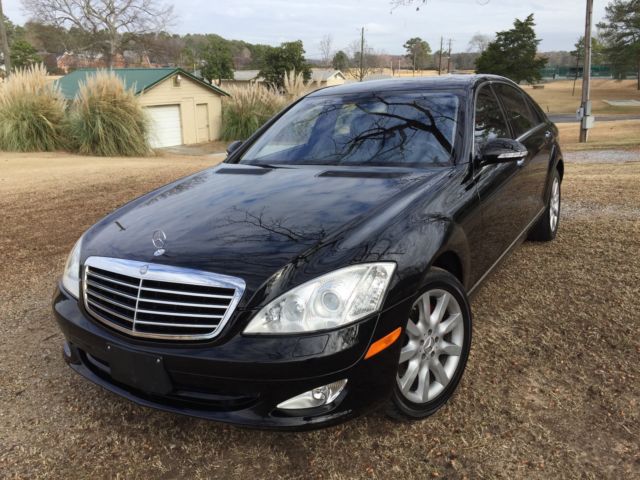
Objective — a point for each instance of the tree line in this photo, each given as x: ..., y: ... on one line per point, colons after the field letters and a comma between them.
x: 135, y: 32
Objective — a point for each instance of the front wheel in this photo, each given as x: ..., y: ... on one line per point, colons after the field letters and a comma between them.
x: 435, y: 349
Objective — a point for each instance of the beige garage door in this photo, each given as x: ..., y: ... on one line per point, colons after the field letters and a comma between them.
x: 165, y: 127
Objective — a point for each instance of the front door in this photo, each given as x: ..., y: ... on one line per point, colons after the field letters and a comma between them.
x: 503, y: 213
x: 202, y: 122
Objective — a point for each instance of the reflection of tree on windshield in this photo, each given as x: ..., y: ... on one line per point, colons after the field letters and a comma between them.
x: 400, y: 129
x: 383, y: 129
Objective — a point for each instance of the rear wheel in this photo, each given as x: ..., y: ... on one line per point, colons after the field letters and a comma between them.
x: 435, y: 349
x: 547, y: 226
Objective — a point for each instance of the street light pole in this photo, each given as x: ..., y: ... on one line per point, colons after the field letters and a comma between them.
x: 4, y: 43
x: 587, y: 119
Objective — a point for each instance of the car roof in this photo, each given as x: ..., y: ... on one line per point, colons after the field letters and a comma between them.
x: 442, y: 82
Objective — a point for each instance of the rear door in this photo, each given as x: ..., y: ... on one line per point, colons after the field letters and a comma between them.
x: 503, y: 215
x: 530, y: 129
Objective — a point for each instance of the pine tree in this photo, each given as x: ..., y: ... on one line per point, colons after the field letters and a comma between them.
x: 621, y: 33
x: 513, y: 54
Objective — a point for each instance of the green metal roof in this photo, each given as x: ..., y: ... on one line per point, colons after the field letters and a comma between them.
x: 137, y: 79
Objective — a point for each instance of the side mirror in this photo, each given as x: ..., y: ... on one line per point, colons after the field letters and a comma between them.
x: 502, y: 150
x: 233, y: 146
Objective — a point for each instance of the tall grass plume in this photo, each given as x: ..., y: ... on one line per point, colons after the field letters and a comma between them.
x: 247, y: 109
x: 107, y: 119
x: 32, y: 111
x: 295, y: 86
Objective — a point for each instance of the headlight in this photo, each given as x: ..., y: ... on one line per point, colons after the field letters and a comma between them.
x: 71, y: 275
x: 332, y: 300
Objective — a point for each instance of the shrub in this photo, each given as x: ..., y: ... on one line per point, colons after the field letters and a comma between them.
x: 31, y: 111
x: 248, y: 108
x: 106, y: 118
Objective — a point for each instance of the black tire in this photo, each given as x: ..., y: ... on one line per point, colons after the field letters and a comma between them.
x: 544, y: 230
x: 399, y: 406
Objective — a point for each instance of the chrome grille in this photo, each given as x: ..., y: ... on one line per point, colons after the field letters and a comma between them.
x: 159, y: 301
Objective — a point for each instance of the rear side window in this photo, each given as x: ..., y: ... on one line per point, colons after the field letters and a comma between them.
x: 490, y: 122
x: 519, y: 114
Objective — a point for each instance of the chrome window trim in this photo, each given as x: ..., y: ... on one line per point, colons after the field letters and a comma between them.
x: 163, y: 273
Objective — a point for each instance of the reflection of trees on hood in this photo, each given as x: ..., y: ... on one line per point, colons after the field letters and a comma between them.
x: 282, y: 228
x: 183, y: 186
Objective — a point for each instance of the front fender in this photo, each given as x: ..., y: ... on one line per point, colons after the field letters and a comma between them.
x: 414, y: 245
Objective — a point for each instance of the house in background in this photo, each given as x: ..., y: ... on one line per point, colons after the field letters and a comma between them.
x: 244, y: 77
x: 182, y: 108
x: 327, y: 77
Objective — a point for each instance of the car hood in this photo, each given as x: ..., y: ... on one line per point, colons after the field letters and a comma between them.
x: 250, y: 222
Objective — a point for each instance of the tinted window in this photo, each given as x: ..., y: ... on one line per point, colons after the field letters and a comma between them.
x: 536, y: 110
x: 517, y: 109
x: 411, y: 129
x: 490, y: 122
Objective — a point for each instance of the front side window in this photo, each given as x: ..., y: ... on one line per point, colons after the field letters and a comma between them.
x: 490, y: 122
x: 401, y: 129
x: 520, y: 116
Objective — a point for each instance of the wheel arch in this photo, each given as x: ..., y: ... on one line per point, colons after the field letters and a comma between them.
x: 453, y: 254
x: 450, y: 261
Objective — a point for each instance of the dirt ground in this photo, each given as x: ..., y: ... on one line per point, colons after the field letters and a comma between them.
x: 551, y: 389
x: 558, y: 97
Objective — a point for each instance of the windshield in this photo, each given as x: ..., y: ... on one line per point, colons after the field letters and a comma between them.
x: 400, y: 129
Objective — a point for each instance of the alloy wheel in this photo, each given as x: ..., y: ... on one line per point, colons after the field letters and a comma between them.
x: 554, y: 204
x: 432, y: 349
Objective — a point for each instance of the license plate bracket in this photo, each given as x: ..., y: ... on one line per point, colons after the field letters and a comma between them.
x: 141, y: 371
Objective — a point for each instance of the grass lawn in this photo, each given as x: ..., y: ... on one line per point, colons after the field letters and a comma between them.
x: 556, y: 96
x: 618, y: 134
x: 551, y: 388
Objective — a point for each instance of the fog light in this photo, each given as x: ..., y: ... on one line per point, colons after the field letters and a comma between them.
x: 317, y: 397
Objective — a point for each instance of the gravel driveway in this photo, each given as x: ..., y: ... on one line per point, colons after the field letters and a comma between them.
x: 551, y: 390
x: 603, y: 156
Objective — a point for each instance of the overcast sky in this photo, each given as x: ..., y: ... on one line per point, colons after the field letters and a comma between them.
x: 559, y: 22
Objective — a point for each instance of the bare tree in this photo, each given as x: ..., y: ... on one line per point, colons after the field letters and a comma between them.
x: 113, y: 18
x: 326, y: 50
x: 479, y: 42
x: 360, y: 56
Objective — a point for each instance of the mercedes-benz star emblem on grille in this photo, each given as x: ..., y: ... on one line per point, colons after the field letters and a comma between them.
x: 159, y: 240
x: 144, y: 269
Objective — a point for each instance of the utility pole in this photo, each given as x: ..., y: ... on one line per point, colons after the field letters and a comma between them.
x: 362, y: 55
x: 5, y: 43
x: 449, y: 58
x: 587, y: 119
x: 440, y: 62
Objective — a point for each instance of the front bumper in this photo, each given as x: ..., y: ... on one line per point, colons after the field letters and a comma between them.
x: 241, y: 379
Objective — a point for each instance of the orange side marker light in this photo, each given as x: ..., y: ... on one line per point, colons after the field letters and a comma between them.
x: 385, y: 342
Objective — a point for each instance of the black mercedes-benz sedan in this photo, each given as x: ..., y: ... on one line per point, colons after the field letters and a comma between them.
x: 324, y: 268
